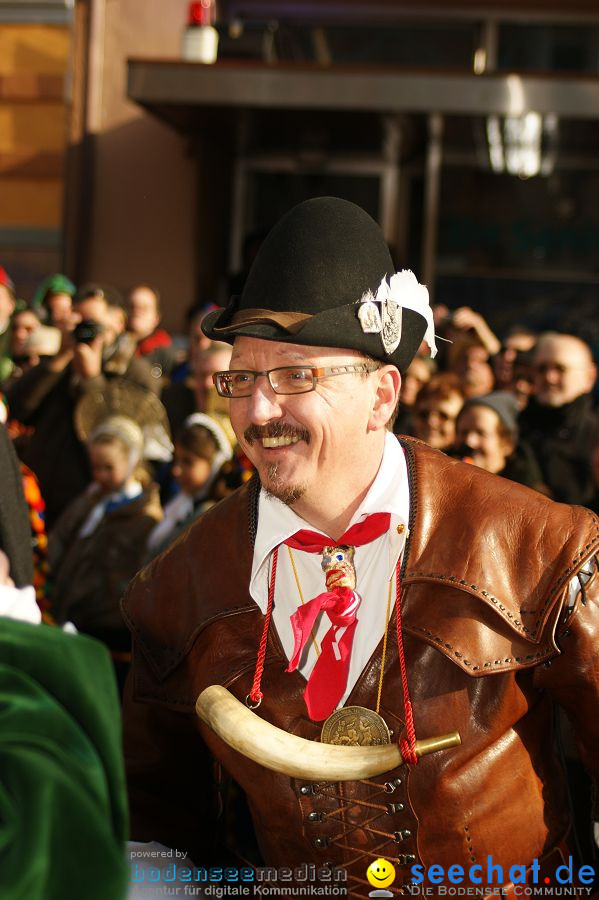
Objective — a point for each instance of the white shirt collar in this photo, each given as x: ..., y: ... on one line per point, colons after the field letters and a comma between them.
x: 389, y: 492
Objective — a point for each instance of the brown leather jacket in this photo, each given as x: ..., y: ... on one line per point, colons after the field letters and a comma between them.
x: 489, y: 644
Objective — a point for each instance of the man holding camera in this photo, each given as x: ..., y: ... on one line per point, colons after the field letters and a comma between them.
x: 45, y: 398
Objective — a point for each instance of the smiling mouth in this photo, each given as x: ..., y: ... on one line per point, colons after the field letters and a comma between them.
x: 279, y: 441
x: 275, y: 434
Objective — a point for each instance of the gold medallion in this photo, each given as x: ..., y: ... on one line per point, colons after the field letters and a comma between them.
x: 355, y: 726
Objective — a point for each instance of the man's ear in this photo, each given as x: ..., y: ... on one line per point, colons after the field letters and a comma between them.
x: 386, y: 396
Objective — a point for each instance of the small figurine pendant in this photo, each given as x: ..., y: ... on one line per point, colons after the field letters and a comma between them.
x: 338, y: 566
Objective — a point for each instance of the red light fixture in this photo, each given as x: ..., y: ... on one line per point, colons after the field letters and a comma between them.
x: 202, y: 12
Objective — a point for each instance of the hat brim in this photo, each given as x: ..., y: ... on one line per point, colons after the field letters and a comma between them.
x: 338, y: 328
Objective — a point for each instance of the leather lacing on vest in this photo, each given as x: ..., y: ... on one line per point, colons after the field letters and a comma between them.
x: 382, y: 827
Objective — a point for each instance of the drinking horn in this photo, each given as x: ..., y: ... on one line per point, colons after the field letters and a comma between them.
x: 297, y: 757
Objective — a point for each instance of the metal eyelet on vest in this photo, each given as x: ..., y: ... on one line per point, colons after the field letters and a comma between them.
x: 390, y: 786
x: 308, y: 789
x: 394, y: 808
x: 315, y: 817
x: 404, y: 835
x: 321, y: 842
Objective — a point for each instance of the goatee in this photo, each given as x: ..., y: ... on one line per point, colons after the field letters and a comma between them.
x: 286, y: 493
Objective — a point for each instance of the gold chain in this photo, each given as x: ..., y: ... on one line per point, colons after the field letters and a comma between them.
x: 316, y: 647
x: 381, y: 676
x: 301, y: 596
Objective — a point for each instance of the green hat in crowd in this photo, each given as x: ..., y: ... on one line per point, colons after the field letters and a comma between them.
x: 53, y: 284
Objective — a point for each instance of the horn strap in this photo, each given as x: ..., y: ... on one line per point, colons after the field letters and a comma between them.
x: 408, y: 745
x: 254, y: 698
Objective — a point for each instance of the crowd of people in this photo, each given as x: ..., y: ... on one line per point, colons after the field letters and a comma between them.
x: 523, y: 408
x: 125, y: 441
x: 121, y: 438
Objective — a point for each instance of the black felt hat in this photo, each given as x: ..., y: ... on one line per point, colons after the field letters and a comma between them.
x: 320, y: 279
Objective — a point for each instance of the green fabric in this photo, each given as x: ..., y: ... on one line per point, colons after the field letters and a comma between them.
x: 63, y: 817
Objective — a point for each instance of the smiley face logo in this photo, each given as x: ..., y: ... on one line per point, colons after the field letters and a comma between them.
x: 380, y: 873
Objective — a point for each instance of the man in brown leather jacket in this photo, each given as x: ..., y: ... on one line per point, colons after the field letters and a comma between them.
x: 454, y: 601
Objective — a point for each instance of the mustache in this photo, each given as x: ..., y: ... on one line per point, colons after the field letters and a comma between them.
x: 275, y: 430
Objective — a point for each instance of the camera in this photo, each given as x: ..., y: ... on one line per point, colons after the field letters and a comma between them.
x: 87, y: 331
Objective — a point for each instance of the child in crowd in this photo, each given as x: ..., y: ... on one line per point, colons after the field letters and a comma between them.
x: 201, y: 450
x: 97, y: 544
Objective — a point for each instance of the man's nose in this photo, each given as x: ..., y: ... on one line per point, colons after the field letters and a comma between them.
x: 548, y: 373
x: 265, y: 405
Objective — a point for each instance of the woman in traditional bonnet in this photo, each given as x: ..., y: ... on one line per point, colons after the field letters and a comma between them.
x: 202, y: 449
x: 97, y: 545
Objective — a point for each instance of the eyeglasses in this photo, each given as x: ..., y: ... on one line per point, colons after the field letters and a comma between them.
x: 284, y: 380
